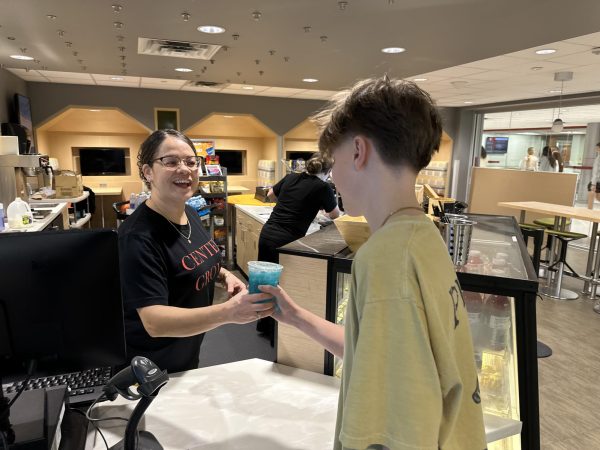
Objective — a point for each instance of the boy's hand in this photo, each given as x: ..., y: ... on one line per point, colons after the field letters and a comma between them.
x: 286, y: 310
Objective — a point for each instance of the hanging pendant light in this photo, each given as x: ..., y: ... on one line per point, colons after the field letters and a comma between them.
x: 558, y: 124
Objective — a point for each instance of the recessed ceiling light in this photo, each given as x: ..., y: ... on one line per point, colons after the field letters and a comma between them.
x: 309, y: 80
x: 117, y: 78
x: 211, y: 29
x: 419, y: 79
x: 468, y: 103
x: 51, y: 16
x: 22, y: 57
x: 537, y: 68
x: 94, y: 110
x: 183, y: 69
x: 555, y: 91
x: 393, y: 50
x: 248, y: 88
x: 228, y: 117
x: 545, y: 51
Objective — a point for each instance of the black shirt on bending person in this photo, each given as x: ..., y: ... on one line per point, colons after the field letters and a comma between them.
x: 300, y: 196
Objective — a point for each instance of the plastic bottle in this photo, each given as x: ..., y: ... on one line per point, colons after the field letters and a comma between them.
x: 132, y: 200
x: 475, y: 306
x: 475, y: 263
x: 499, y: 322
x: 19, y: 214
x: 1, y: 217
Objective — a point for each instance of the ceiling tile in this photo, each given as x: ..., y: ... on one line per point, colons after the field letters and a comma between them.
x: 134, y: 84
x: 562, y: 48
x: 71, y: 75
x: 71, y: 80
x: 592, y: 39
x: 168, y: 87
x: 163, y: 81
x: 126, y: 78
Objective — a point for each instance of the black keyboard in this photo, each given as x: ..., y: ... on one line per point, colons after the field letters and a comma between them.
x: 83, y: 387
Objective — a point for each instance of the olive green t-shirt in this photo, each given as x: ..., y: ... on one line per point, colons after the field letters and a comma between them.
x: 409, y: 379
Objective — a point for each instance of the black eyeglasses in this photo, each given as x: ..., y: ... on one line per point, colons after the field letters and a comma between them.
x: 172, y: 162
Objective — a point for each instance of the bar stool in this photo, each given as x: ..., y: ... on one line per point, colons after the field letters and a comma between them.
x: 536, y: 232
x: 564, y: 237
x: 548, y: 224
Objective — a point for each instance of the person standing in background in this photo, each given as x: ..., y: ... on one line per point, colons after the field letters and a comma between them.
x: 530, y: 162
x: 547, y: 161
x: 594, y: 184
x: 557, y: 155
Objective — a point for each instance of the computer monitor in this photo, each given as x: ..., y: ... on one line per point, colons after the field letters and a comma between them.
x: 60, y: 301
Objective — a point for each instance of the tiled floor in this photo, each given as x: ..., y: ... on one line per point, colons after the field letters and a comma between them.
x: 570, y: 379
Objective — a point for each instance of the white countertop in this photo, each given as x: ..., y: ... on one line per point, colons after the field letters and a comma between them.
x: 40, y: 224
x: 262, y: 214
x: 252, y: 404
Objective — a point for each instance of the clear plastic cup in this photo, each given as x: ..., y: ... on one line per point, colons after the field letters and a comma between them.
x: 261, y: 273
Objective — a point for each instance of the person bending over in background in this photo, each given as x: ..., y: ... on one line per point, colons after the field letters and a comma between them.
x: 299, y: 197
x: 547, y: 161
x: 594, y: 184
x: 409, y: 379
x: 169, y: 263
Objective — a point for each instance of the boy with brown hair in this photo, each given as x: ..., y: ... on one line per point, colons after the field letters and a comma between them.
x: 409, y: 378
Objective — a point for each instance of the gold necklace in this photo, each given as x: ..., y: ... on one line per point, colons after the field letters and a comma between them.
x: 179, y: 231
x: 187, y: 238
x: 397, y: 211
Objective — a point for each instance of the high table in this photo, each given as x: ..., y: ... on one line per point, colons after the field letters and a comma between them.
x: 252, y: 404
x: 570, y: 212
x: 106, y: 190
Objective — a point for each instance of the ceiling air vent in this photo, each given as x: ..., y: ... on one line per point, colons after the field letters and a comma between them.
x: 205, y: 84
x: 177, y: 49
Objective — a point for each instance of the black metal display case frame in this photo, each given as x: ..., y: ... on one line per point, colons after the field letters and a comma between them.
x: 523, y: 290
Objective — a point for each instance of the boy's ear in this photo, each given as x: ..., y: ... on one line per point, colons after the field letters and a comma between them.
x: 362, y: 151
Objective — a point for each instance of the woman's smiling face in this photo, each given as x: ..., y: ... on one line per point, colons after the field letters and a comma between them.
x: 172, y: 184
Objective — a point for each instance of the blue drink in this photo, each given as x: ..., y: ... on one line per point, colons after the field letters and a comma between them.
x: 261, y: 273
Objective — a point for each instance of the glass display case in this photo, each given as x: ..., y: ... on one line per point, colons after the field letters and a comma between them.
x: 499, y: 289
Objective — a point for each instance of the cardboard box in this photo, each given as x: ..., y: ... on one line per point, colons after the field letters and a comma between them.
x: 68, y: 186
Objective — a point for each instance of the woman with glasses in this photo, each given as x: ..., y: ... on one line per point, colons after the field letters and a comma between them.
x: 169, y: 263
x: 299, y: 198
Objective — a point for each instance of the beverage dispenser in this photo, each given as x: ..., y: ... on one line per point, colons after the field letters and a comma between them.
x: 12, y: 175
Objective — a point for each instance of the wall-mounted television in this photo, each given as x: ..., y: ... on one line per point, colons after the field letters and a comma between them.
x: 103, y: 161
x: 23, y: 113
x: 233, y: 160
x: 299, y: 154
x: 496, y: 144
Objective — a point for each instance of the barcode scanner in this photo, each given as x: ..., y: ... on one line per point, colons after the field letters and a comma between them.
x: 147, y: 378
x: 141, y: 373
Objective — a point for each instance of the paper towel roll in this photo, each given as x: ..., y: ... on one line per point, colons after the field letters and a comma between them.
x: 9, y: 145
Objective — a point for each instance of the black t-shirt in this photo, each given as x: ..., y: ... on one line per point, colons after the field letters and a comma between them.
x: 300, y: 196
x: 159, y: 267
